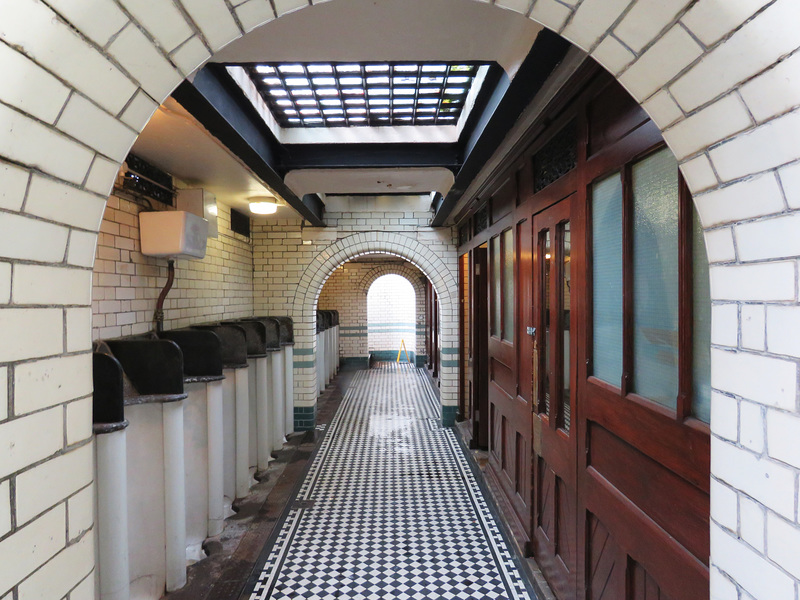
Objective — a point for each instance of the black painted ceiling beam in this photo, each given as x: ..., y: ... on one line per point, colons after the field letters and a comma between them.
x: 507, y: 103
x: 212, y: 101
x: 369, y: 156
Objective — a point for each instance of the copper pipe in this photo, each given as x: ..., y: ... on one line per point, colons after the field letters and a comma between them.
x: 158, y: 317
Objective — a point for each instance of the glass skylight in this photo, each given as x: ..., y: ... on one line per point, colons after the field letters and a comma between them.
x: 366, y: 94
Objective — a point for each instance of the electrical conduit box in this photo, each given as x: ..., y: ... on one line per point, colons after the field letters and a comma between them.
x: 173, y: 234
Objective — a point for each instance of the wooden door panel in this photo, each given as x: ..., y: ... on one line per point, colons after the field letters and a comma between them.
x: 642, y: 585
x: 605, y: 564
x: 502, y: 376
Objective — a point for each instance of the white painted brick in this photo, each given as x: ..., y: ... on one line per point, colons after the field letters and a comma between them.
x: 783, y: 540
x: 724, y: 503
x: 214, y: 20
x: 771, y: 238
x: 85, y: 590
x: 58, y: 576
x: 721, y: 587
x: 783, y: 322
x: 755, y: 282
x: 783, y: 431
x: 16, y: 325
x: 724, y: 416
x: 36, y: 284
x: 5, y: 508
x: 645, y: 20
x: 79, y: 321
x: 710, y: 20
x: 663, y: 109
x: 5, y: 282
x: 790, y: 180
x: 41, y: 95
x: 674, y: 51
x: 139, y: 111
x: 29, y: 142
x: 79, y: 420
x: 80, y: 512
x: 283, y: 7
x: 162, y: 20
x: 612, y: 55
x: 519, y: 6
x: 751, y: 517
x: 45, y: 383
x: 591, y: 21
x: 32, y: 546
x: 56, y: 201
x: 13, y: 183
x: 744, y: 200
x: 53, y: 481
x: 253, y: 13
x: 29, y: 439
x: 770, y: 145
x: 750, y: 50
x: 719, y: 245
x: 714, y: 123
x: 97, y: 20
x: 190, y: 56
x: 101, y: 176
x: 81, y: 248
x: 22, y: 237
x: 770, y: 381
x: 699, y: 174
x: 154, y: 73
x: 751, y: 426
x: 550, y: 13
x: 753, y: 326
x: 3, y: 393
x: 34, y: 27
x: 775, y: 91
x: 764, y: 480
x: 725, y: 325
x: 96, y: 128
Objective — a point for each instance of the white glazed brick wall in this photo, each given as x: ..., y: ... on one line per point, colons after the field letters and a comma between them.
x: 391, y: 314
x: 83, y: 78
x: 346, y: 291
x: 126, y: 283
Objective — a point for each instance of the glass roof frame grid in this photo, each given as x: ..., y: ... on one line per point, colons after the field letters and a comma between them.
x: 445, y: 111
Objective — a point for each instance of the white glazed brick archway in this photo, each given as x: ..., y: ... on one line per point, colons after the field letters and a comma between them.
x: 414, y: 277
x: 441, y: 276
x: 81, y: 79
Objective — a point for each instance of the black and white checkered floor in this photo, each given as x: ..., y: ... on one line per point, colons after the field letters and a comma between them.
x: 389, y: 508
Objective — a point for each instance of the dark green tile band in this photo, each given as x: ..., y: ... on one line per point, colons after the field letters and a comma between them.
x: 449, y: 414
x: 305, y: 417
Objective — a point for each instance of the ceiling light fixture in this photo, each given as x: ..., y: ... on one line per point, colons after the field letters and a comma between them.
x: 263, y: 208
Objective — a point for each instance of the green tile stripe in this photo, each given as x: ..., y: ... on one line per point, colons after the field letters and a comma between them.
x: 449, y: 363
x: 303, y: 351
x: 449, y: 414
x: 450, y: 350
x: 352, y: 335
x: 305, y: 417
x: 306, y: 364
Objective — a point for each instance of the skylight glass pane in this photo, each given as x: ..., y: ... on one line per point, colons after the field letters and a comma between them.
x: 337, y: 95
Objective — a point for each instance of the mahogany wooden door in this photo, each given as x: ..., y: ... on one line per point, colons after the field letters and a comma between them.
x: 479, y: 348
x: 553, y: 363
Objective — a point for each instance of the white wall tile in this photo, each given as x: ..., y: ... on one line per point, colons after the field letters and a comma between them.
x: 101, y: 176
x: 724, y: 416
x: 771, y: 238
x: 145, y: 63
x: 519, y: 6
x: 30, y: 143
x: 29, y: 439
x: 5, y: 507
x: 36, y: 284
x: 592, y: 19
x: 82, y: 246
x: 750, y: 50
x: 58, y: 202
x: 790, y: 180
x: 674, y: 51
x: 190, y: 56
x: 754, y: 330
x: 162, y: 20
x: 663, y: 109
x: 764, y: 480
x: 253, y: 13
x: 79, y: 419
x: 714, y: 123
x: 13, y: 184
x: 58, y: 576
x: 645, y: 20
x: 52, y: 482
x: 32, y: 26
x: 783, y: 431
x: 45, y: 383
x: 3, y: 393
x: 214, y: 20
x: 80, y: 512
x: 775, y: 91
x: 79, y: 321
x: 613, y: 55
x: 751, y: 426
x: 719, y: 245
x: 139, y: 111
x: 770, y: 145
x: 724, y: 505
x: 16, y: 325
x: 770, y: 381
x: 41, y: 96
x: 783, y: 540
x: 97, y: 19
x: 754, y: 282
x: 85, y: 590
x: 783, y: 323
x: 42, y: 539
x: 725, y: 325
x: 709, y: 20
x: 751, y: 516
x: 747, y: 199
x: 722, y: 588
x: 96, y: 128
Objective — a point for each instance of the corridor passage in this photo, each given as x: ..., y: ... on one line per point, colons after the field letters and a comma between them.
x: 389, y: 508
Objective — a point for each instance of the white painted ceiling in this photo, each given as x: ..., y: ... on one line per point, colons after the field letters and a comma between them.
x: 341, y: 30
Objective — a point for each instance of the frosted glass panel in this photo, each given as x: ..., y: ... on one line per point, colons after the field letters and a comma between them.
x: 496, y: 305
x: 701, y: 330
x: 607, y: 279
x: 655, y: 278
x: 508, y: 285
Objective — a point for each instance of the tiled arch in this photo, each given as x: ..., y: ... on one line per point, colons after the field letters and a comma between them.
x: 439, y: 272
x: 719, y: 77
